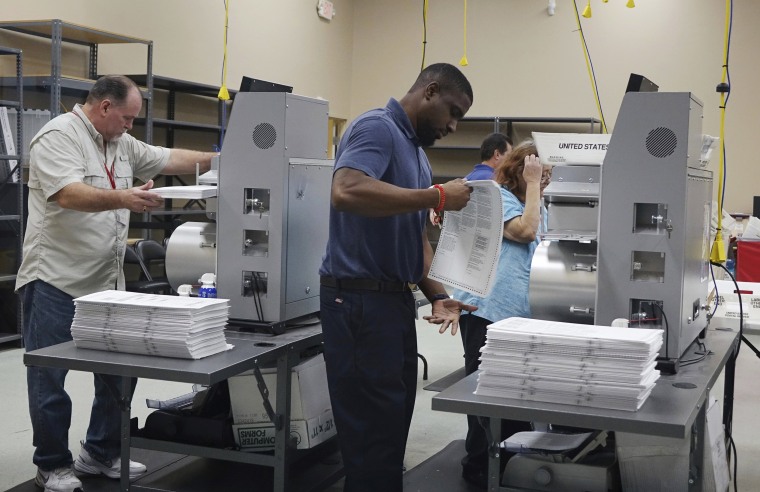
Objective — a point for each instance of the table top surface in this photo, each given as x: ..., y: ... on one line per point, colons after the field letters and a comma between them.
x: 249, y: 350
x: 670, y: 410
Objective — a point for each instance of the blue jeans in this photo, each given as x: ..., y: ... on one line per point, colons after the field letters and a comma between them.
x: 48, y: 313
x: 371, y: 358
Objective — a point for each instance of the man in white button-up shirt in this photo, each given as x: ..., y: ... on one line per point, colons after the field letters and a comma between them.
x: 82, y: 166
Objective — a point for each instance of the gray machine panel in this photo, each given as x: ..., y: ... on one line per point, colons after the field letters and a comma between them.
x: 255, y: 260
x: 305, y: 127
x: 572, y: 202
x: 309, y: 194
x: 655, y: 214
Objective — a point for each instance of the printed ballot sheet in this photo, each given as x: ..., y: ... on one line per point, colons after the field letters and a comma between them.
x: 470, y: 243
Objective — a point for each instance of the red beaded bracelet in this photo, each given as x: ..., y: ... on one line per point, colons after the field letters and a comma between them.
x: 441, y: 198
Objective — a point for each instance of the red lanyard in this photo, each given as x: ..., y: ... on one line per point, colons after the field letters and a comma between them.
x: 109, y: 173
x: 105, y: 166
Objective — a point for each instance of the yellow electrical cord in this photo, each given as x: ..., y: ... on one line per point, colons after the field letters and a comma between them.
x: 718, y: 252
x: 424, y: 32
x: 224, y: 94
x: 588, y: 69
x: 463, y: 62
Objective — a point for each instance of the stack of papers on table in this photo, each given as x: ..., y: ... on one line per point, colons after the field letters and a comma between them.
x: 190, y: 192
x: 150, y: 324
x: 568, y: 363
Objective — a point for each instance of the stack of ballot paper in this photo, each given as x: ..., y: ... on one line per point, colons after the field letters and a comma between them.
x: 151, y: 324
x: 569, y: 363
x: 196, y: 192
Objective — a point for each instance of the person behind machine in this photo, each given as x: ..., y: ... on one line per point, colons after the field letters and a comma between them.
x: 82, y: 166
x: 522, y: 179
x: 493, y: 152
x: 377, y: 247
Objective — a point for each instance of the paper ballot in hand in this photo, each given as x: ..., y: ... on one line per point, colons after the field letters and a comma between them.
x: 468, y: 249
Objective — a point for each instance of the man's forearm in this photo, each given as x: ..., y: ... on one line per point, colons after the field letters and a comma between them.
x: 431, y: 288
x: 355, y: 192
x: 183, y: 161
x: 85, y: 198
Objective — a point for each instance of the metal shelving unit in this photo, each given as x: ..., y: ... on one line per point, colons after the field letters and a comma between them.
x: 56, y: 85
x: 176, y: 86
x: 170, y: 215
x: 15, y: 219
x: 59, y: 32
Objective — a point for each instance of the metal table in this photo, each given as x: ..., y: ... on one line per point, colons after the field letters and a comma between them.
x: 676, y: 407
x: 251, y: 350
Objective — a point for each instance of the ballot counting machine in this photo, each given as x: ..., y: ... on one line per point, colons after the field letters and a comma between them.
x: 631, y: 238
x: 628, y: 239
x: 270, y: 216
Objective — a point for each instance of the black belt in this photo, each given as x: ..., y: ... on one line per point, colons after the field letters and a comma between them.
x: 365, y: 284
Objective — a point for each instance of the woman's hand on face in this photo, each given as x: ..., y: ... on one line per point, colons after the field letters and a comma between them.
x: 532, y: 169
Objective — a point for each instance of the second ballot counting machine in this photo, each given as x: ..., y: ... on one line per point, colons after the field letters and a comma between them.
x: 630, y: 239
x: 271, y: 212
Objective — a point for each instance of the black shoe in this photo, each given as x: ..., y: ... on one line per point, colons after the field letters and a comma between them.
x: 476, y: 476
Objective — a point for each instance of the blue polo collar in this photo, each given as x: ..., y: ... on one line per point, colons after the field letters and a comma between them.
x: 402, y: 120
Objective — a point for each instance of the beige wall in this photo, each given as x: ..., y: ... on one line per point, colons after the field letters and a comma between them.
x: 282, y: 41
x: 523, y: 62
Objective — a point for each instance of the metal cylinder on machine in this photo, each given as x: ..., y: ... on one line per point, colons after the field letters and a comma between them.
x: 563, y: 281
x: 191, y: 252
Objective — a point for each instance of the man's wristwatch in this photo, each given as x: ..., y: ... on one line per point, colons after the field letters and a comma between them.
x: 438, y: 297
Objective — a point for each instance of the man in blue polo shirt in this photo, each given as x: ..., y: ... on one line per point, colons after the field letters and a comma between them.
x: 493, y: 152
x: 377, y: 247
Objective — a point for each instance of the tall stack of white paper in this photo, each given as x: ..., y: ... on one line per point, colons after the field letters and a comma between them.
x: 151, y: 324
x: 568, y: 363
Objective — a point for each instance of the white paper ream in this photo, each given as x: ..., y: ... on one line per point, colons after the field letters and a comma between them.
x: 190, y: 192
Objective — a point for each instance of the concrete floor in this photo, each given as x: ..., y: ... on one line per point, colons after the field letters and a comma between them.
x: 431, y: 431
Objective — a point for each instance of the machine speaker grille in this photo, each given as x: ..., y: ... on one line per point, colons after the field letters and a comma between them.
x: 264, y: 135
x: 661, y: 142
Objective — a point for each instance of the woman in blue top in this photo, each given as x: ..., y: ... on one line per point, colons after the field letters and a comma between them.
x: 522, y: 179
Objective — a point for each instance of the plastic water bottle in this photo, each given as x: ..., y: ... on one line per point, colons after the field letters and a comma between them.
x: 208, y: 287
x: 731, y: 266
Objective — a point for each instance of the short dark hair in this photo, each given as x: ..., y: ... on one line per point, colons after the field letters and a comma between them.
x: 492, y: 143
x: 448, y: 77
x: 114, y: 87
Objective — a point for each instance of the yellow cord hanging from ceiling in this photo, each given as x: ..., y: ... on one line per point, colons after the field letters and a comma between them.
x: 463, y: 62
x: 424, y: 32
x: 718, y: 251
x: 224, y: 94
x: 588, y: 65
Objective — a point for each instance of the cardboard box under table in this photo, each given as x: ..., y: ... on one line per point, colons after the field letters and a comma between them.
x: 311, y: 419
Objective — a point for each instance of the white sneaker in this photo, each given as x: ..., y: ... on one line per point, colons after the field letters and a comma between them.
x: 59, y: 480
x: 87, y: 464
